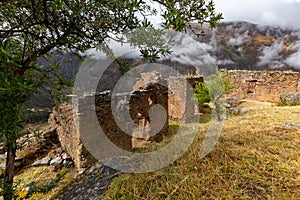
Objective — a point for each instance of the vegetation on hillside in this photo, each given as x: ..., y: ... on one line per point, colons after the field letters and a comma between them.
x: 256, y: 157
x: 32, y: 29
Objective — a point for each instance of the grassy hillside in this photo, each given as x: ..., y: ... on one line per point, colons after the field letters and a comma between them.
x: 256, y: 157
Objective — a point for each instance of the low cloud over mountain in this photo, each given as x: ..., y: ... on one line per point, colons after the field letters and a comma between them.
x: 240, y: 45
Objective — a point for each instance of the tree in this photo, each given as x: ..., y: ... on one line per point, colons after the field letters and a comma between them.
x: 212, y: 89
x: 30, y: 29
x: 201, y: 95
x: 218, y: 85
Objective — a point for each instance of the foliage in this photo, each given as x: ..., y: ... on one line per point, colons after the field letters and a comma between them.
x: 201, y: 93
x: 34, y: 29
x: 14, y: 91
x: 212, y: 89
x: 218, y: 85
x: 41, y: 26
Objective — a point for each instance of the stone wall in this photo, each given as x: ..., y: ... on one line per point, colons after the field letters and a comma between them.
x: 152, y: 96
x: 181, y: 103
x: 138, y: 103
x: 62, y: 119
x: 262, y: 85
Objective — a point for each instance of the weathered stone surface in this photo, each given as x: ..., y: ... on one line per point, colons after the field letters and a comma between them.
x: 150, y: 91
x: 3, y: 156
x: 291, y: 124
x: 65, y: 156
x: 180, y: 99
x: 91, y: 184
x: 138, y: 103
x: 56, y: 161
x: 262, y: 85
x: 44, y: 161
x: 234, y: 102
x: 69, y: 138
x: 290, y: 98
x: 237, y: 111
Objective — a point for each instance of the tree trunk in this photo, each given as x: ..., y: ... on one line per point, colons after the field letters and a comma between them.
x: 9, y: 173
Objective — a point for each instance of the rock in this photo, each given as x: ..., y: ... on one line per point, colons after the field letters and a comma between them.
x: 42, y: 162
x: 290, y: 98
x: 226, y: 105
x: 242, y: 111
x: 233, y: 102
x: 237, y: 111
x: 27, y: 188
x: 55, y: 153
x: 91, y: 184
x: 56, y: 161
x: 3, y: 156
x: 3, y: 166
x: 65, y: 156
x: 68, y: 163
x: 50, y: 137
x: 69, y: 138
x: 291, y: 124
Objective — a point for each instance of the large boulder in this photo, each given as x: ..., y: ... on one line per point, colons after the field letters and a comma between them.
x: 291, y: 98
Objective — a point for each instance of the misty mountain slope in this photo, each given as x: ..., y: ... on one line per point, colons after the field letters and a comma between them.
x: 243, y: 45
x: 232, y: 45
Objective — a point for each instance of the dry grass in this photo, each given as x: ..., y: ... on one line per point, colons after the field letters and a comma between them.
x: 256, y: 157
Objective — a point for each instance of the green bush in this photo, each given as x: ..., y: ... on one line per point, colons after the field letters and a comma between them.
x: 213, y: 90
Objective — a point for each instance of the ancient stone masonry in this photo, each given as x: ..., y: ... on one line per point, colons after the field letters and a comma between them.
x: 180, y: 99
x: 142, y: 116
x: 262, y: 85
x: 138, y: 103
x: 62, y: 119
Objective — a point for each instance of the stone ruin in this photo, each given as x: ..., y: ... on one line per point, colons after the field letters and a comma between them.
x: 262, y: 85
x: 172, y: 94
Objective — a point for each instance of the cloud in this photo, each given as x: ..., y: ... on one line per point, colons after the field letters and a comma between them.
x: 224, y: 62
x: 124, y: 50
x: 266, y: 12
x: 238, y: 40
x: 294, y: 59
x: 187, y: 50
x: 270, y: 55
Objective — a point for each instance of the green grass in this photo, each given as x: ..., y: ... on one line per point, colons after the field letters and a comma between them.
x: 256, y: 157
x: 37, y: 176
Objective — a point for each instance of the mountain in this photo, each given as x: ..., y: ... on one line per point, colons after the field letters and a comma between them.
x: 232, y: 45
x: 243, y: 45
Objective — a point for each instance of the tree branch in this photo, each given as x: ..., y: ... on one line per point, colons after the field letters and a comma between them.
x: 161, y: 2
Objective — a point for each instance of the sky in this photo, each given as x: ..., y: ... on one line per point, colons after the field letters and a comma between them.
x: 265, y: 12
